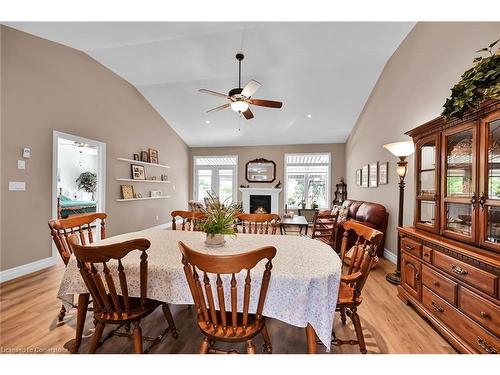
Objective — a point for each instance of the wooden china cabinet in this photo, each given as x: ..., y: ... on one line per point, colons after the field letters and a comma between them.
x: 450, y: 257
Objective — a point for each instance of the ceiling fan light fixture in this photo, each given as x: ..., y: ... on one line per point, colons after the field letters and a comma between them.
x: 239, y: 106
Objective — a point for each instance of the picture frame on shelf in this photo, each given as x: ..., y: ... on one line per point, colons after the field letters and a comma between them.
x: 365, y: 175
x: 137, y: 157
x: 153, y: 156
x: 383, y: 177
x: 358, y: 177
x: 155, y: 193
x: 137, y: 195
x: 373, y: 173
x: 127, y: 191
x: 138, y: 172
x: 145, y: 156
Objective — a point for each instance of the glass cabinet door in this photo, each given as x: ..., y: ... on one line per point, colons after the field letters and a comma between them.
x: 489, y: 199
x: 427, y: 165
x: 459, y: 183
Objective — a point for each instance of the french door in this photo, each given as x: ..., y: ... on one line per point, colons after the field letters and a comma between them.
x: 220, y: 180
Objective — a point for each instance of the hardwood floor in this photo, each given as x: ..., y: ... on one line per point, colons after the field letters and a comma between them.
x: 29, y: 308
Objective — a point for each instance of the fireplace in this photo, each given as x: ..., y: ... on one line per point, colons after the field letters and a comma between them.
x: 260, y: 203
x: 271, y: 194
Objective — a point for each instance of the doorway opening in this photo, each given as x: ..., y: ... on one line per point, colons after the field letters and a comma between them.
x: 78, y: 176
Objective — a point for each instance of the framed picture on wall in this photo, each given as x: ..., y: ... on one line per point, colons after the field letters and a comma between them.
x: 138, y: 172
x: 358, y: 177
x: 153, y: 156
x: 382, y: 173
x: 127, y: 191
x: 364, y: 175
x: 374, y: 174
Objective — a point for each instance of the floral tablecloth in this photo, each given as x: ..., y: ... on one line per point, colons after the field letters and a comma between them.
x: 304, y: 281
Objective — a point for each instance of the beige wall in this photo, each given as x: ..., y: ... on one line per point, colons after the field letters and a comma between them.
x: 46, y: 86
x: 411, y: 90
x: 276, y: 154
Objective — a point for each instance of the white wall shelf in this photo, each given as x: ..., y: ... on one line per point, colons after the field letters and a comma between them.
x: 132, y: 180
x: 132, y: 161
x: 143, y: 199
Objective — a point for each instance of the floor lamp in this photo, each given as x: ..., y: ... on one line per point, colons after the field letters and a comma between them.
x: 402, y: 150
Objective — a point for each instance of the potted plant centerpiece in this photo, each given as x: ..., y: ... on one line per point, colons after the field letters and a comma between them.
x: 219, y: 219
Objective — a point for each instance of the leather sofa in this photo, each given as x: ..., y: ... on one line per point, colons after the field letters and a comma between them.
x: 371, y: 214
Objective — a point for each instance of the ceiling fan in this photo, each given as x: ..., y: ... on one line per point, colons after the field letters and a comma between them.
x: 241, y: 98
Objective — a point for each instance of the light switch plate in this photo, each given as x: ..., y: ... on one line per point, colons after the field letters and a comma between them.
x: 21, y: 164
x: 17, y: 186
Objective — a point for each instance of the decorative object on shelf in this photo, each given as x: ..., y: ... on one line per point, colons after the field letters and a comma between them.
x: 358, y: 177
x: 87, y: 181
x: 478, y: 83
x: 153, y: 178
x: 138, y: 172
x: 340, y: 192
x: 136, y: 157
x: 145, y: 156
x: 373, y: 179
x: 278, y: 185
x: 155, y: 193
x: 137, y: 195
x: 153, y: 156
x: 127, y: 191
x: 402, y: 150
x: 219, y: 219
x: 382, y: 173
x: 365, y: 175
x: 260, y: 170
x: 244, y: 186
x: 164, y: 177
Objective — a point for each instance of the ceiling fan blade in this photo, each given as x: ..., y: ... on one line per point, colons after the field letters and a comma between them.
x: 219, y: 108
x: 266, y: 103
x: 250, y: 88
x: 248, y: 114
x: 205, y: 91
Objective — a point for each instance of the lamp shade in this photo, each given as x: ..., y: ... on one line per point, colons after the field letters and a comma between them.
x: 400, y: 149
x: 239, y: 106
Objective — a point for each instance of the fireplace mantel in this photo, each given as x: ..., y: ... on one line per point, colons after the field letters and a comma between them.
x: 273, y: 192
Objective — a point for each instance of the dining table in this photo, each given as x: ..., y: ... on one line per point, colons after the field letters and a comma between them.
x: 302, y: 291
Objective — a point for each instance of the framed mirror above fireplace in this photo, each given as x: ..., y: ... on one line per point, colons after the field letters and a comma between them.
x: 260, y: 170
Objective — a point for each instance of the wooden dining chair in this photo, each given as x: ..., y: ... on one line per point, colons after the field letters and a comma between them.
x: 221, y: 324
x: 82, y: 225
x: 355, y: 276
x: 191, y: 220
x: 110, y: 306
x: 258, y: 223
x: 324, y: 228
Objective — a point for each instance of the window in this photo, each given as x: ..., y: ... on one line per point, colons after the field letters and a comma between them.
x: 307, y: 179
x: 215, y: 174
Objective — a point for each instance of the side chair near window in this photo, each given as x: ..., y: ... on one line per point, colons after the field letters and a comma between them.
x: 219, y: 324
x: 363, y: 255
x: 110, y: 306
x: 61, y: 229
x: 325, y: 228
x: 258, y: 223
x: 191, y: 220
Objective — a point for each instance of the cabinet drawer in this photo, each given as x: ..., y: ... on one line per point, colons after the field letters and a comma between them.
x: 481, y: 310
x: 412, y: 247
x: 426, y: 253
x: 480, y: 279
x: 477, y: 337
x: 439, y: 284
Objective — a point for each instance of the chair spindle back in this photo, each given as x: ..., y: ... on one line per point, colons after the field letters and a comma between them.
x: 191, y: 220
x: 61, y: 229
x: 259, y: 223
x: 218, y: 265
x: 94, y: 265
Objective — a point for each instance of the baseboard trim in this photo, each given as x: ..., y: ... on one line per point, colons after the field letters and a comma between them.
x: 25, y: 269
x: 390, y: 256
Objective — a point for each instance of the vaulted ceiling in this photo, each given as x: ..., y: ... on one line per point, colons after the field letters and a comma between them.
x: 325, y: 70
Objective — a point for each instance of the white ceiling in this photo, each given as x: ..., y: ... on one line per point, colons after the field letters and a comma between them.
x: 324, y: 69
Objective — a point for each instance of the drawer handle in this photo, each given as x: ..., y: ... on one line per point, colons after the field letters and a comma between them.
x: 458, y: 270
x: 484, y: 315
x: 437, y: 307
x: 435, y: 283
x: 409, y: 247
x: 486, y: 346
x: 426, y: 255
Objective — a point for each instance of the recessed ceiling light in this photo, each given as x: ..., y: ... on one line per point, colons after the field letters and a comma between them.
x: 309, y: 116
x: 207, y: 122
